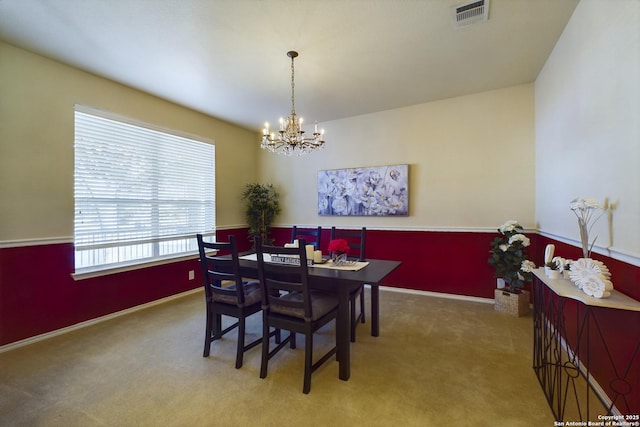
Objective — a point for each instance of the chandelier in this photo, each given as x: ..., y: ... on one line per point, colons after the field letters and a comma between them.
x: 291, y: 139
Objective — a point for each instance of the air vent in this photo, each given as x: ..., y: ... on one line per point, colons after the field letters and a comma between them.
x: 471, y: 13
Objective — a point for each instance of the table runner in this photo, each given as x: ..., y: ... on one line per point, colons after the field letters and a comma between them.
x: 352, y: 266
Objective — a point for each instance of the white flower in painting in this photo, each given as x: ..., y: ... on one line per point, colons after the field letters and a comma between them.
x: 504, y: 248
x: 527, y: 266
x: 519, y: 238
x: 510, y: 225
x: 339, y: 206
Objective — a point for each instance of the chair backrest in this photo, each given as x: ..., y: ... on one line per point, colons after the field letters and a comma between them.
x: 311, y: 236
x: 285, y: 287
x: 357, y: 240
x: 218, y: 268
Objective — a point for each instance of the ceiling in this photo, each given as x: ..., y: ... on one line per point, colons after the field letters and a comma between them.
x: 227, y: 58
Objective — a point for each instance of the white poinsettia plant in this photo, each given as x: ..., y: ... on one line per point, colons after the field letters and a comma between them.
x: 509, y: 257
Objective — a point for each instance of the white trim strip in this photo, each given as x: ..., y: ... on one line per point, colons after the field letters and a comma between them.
x: 99, y: 272
x: 612, y: 252
x: 437, y: 294
x: 405, y: 228
x: 57, y: 332
x: 43, y: 241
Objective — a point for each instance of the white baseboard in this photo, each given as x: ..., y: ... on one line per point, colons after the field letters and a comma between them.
x: 57, y: 332
x: 438, y: 294
x: 47, y: 335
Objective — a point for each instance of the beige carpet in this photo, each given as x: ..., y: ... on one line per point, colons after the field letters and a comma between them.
x: 437, y: 362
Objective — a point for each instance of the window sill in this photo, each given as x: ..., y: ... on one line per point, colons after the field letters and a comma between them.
x: 92, y: 272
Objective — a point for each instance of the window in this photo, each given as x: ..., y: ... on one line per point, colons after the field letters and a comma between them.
x: 141, y: 192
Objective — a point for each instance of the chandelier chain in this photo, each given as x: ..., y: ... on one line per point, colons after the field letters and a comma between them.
x: 293, y: 107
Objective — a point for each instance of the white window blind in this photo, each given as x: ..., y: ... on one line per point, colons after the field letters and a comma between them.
x: 141, y: 192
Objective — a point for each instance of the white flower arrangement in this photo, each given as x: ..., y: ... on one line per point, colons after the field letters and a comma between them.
x: 592, y: 277
x: 520, y: 238
x: 508, y: 256
x: 527, y: 266
x: 585, y: 209
x: 509, y: 226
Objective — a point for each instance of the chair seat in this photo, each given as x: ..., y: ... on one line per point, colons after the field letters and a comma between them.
x: 321, y: 304
x: 252, y: 294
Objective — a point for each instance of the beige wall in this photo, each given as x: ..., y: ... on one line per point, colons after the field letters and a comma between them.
x: 588, y: 126
x: 36, y: 143
x: 471, y: 162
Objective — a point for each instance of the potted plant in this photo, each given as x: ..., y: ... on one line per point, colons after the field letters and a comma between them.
x: 552, y: 269
x: 262, y: 206
x: 338, y: 248
x: 509, y: 259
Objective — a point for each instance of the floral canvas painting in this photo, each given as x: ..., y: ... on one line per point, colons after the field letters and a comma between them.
x: 373, y: 191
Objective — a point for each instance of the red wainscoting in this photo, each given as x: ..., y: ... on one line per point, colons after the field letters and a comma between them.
x: 449, y: 262
x: 625, y: 277
x: 38, y: 294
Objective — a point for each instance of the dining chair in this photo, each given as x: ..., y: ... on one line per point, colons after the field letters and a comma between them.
x: 289, y: 304
x: 357, y: 240
x: 311, y: 235
x: 226, y: 293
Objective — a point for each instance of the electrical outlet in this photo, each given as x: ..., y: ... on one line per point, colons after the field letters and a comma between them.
x: 192, y: 274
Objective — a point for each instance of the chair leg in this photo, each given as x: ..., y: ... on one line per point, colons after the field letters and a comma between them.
x: 353, y: 321
x: 217, y: 325
x: 292, y: 342
x: 240, y: 349
x: 265, y: 347
x: 362, y: 305
x: 308, y: 362
x: 208, y: 332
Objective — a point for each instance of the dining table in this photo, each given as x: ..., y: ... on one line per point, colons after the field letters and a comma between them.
x: 341, y: 281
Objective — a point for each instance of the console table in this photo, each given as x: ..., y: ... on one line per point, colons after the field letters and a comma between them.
x: 586, y: 350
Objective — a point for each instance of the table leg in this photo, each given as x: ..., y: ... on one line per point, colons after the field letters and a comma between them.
x: 343, y: 334
x: 375, y: 310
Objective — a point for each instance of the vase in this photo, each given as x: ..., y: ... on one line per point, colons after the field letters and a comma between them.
x: 500, y: 283
x: 339, y: 258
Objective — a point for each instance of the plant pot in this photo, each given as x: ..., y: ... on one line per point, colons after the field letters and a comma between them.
x: 554, y: 274
x: 510, y: 303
